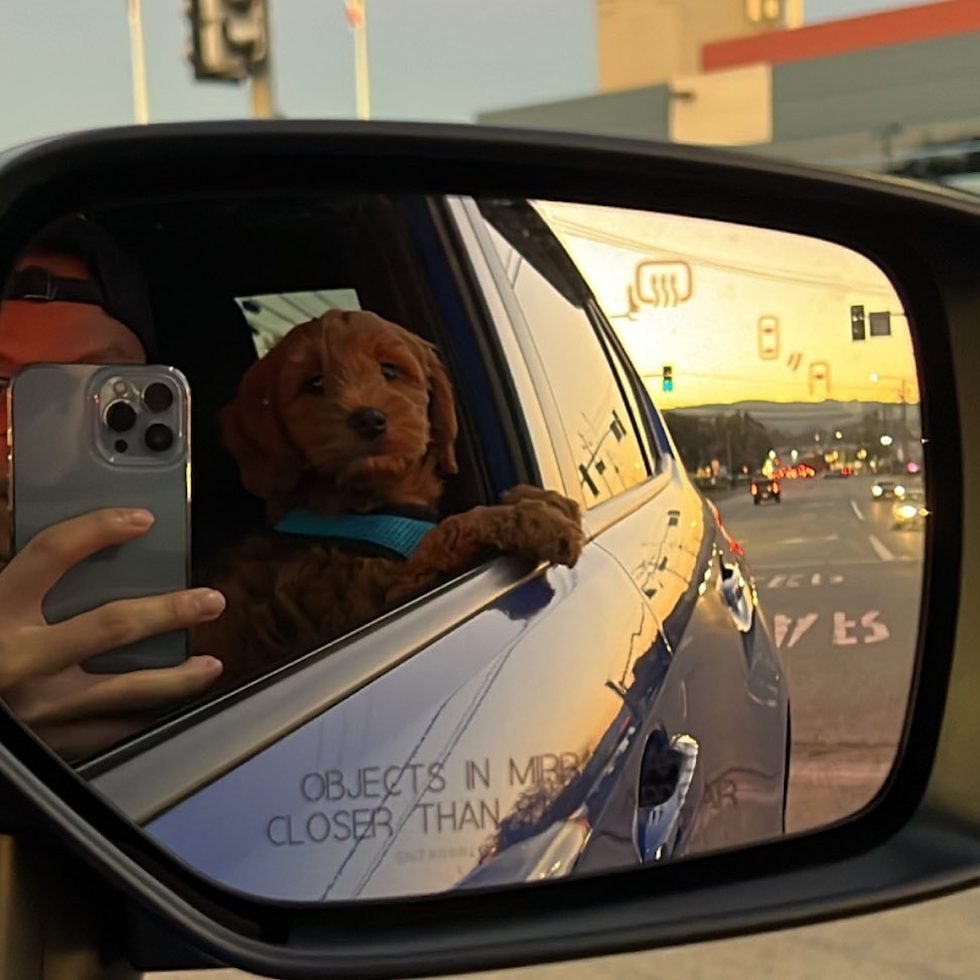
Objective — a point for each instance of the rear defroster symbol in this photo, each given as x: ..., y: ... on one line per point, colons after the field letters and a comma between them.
x: 661, y: 283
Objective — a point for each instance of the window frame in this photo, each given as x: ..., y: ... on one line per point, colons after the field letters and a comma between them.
x: 539, y: 387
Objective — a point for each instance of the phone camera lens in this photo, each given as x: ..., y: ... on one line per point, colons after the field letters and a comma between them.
x: 158, y: 397
x: 120, y: 416
x: 159, y: 437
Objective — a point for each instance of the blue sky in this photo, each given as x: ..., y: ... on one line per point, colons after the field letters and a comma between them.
x: 65, y: 64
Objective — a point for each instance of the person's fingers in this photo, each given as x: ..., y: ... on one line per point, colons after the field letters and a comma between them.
x: 74, y: 694
x: 45, y: 650
x: 32, y: 572
x: 123, y: 694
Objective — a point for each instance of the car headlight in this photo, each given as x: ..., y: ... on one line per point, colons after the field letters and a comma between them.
x: 876, y: 491
x: 906, y: 511
x: 900, y: 491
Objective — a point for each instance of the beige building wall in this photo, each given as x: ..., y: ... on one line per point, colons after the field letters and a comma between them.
x: 723, y: 108
x: 649, y: 42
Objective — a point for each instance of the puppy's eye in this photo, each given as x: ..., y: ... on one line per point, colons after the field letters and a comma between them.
x: 314, y: 386
x: 389, y: 371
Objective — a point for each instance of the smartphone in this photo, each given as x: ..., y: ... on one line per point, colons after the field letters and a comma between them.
x: 86, y: 436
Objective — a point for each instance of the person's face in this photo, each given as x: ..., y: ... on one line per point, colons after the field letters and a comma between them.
x: 77, y: 333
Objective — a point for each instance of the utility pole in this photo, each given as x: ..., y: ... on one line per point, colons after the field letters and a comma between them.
x: 263, y: 106
x: 357, y: 18
x: 141, y: 110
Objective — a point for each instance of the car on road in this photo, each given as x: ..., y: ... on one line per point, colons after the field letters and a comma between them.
x: 910, y: 511
x: 764, y: 487
x: 886, y: 489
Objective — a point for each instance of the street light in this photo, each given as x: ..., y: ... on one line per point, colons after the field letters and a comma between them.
x: 886, y: 440
x: 875, y: 377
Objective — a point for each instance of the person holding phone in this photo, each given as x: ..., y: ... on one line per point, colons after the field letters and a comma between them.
x: 76, y: 297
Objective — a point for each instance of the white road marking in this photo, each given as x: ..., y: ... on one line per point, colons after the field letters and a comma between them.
x: 841, y: 625
x: 880, y: 550
x: 796, y: 581
x: 802, y: 625
x: 828, y: 537
x: 781, y: 625
x: 843, y: 637
x: 857, y: 511
x: 879, y: 631
x: 765, y: 568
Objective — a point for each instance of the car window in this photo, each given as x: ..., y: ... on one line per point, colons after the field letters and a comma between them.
x: 649, y: 425
x: 271, y: 317
x: 596, y: 422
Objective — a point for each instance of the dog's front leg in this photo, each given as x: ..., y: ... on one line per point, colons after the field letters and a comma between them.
x: 534, y: 526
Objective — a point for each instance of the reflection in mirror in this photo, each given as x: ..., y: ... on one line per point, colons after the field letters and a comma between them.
x: 553, y: 539
x: 784, y: 369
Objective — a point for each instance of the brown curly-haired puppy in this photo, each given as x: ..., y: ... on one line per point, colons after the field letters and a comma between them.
x: 352, y: 414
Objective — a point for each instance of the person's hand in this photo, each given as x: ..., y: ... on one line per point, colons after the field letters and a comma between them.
x: 41, y: 679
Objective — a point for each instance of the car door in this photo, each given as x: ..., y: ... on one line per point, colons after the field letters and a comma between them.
x: 708, y: 700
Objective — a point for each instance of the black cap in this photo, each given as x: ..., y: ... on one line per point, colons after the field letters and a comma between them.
x: 117, y: 285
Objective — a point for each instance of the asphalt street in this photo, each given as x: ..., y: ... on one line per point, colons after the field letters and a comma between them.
x: 841, y: 589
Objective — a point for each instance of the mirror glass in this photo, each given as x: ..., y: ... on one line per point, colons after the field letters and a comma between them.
x: 553, y: 538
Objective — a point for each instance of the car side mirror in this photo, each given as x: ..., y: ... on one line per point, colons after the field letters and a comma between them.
x: 180, y: 821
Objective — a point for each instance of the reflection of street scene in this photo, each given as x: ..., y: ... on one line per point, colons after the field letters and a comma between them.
x: 787, y: 377
x: 602, y: 469
x: 840, y: 585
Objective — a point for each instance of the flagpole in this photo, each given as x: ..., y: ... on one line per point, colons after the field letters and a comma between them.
x: 141, y: 109
x: 361, y: 64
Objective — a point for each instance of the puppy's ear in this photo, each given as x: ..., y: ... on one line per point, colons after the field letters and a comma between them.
x: 442, y: 412
x: 252, y: 430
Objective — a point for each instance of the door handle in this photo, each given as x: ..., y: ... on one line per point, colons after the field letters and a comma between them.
x: 666, y: 773
x: 735, y: 593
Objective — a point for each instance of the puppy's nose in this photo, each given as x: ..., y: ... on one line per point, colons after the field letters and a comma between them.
x: 368, y: 422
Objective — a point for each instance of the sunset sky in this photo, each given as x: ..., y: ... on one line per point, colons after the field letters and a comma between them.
x: 739, y: 313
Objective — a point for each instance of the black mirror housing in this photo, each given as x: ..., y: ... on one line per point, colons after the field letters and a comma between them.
x: 919, y: 838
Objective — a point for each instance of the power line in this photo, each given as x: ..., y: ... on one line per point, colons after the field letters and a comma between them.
x: 777, y: 275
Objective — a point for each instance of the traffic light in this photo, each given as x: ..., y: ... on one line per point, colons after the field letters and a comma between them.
x: 858, y: 324
x: 880, y: 324
x: 229, y: 38
x: 668, y: 378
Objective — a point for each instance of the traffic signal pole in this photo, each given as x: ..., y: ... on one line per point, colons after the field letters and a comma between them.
x: 141, y: 110
x: 260, y: 73
x: 263, y: 106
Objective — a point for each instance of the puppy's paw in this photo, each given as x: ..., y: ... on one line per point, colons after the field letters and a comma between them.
x: 524, y: 491
x: 548, y: 533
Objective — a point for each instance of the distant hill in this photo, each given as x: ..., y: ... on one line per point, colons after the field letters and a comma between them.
x: 795, y: 418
